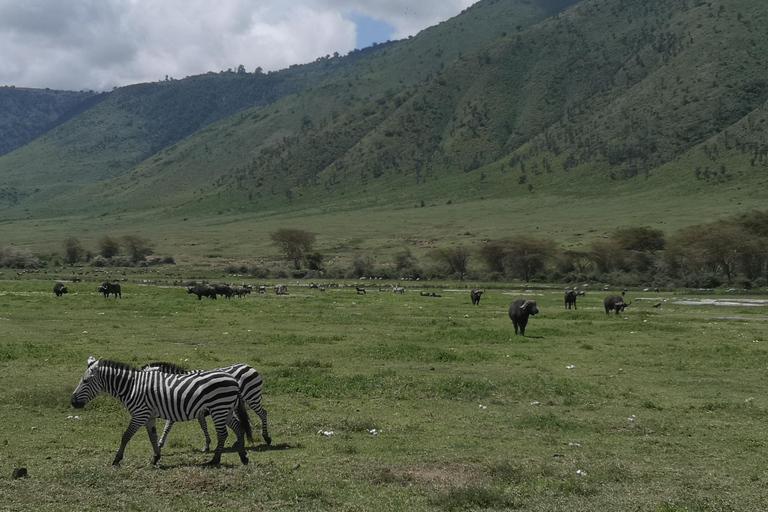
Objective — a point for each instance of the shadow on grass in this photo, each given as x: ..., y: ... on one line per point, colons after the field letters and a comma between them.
x: 229, y: 449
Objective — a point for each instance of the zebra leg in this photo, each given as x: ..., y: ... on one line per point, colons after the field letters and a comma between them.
x: 254, y: 403
x: 264, y: 432
x: 204, y: 426
x: 133, y: 427
x: 237, y: 426
x: 166, y: 431
x: 220, y: 424
x: 152, y: 431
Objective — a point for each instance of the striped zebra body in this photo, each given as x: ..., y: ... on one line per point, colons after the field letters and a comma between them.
x: 173, y: 397
x: 250, y: 383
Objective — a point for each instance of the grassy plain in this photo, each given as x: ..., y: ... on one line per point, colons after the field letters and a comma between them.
x: 658, y: 409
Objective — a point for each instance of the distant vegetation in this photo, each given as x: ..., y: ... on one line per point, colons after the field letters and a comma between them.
x: 731, y: 252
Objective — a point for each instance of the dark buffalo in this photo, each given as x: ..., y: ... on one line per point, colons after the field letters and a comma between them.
x: 203, y: 290
x: 475, y: 296
x: 614, y: 303
x: 59, y: 289
x: 111, y: 289
x: 242, y: 291
x: 224, y: 289
x: 519, y: 311
x: 570, y: 298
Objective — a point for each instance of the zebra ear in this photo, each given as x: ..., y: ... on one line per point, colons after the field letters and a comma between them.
x: 91, y: 360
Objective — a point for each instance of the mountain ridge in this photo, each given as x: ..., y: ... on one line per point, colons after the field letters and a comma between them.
x: 600, y: 99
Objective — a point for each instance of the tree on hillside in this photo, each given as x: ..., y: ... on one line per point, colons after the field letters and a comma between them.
x: 639, y: 239
x: 73, y: 250
x: 714, y: 248
x: 109, y: 247
x: 295, y: 243
x: 455, y: 258
x: 527, y: 256
x: 137, y: 247
x: 492, y: 253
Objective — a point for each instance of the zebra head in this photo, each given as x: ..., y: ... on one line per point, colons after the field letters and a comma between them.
x: 90, y: 385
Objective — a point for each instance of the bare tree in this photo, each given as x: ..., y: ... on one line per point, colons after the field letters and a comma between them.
x: 295, y: 243
x: 456, y: 258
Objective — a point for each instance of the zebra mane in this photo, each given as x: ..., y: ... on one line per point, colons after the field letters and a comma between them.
x: 116, y: 365
x: 164, y: 367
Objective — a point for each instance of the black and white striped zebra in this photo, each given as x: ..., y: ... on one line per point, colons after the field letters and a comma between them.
x: 250, y: 382
x: 173, y: 397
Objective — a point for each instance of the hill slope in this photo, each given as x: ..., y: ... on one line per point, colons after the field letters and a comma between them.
x: 136, y: 122
x: 609, y: 90
x: 660, y: 105
x: 28, y: 113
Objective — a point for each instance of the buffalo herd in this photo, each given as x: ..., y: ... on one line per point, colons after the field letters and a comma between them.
x: 520, y: 310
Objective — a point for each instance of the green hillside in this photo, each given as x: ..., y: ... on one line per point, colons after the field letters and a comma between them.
x: 514, y: 116
x: 28, y: 113
x: 134, y: 124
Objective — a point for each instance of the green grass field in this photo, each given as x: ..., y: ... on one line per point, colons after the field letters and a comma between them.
x: 657, y: 409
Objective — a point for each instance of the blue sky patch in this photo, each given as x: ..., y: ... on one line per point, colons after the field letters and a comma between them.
x: 370, y: 31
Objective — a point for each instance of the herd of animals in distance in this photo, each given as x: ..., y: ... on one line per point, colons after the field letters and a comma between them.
x: 520, y: 310
x: 164, y: 390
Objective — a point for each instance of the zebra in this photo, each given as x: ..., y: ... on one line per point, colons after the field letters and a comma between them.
x: 174, y: 397
x: 250, y: 388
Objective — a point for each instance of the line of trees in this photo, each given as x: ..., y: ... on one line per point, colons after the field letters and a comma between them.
x: 128, y: 249
x: 732, y: 252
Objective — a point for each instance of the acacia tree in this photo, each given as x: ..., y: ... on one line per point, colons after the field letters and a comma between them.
x: 109, y: 247
x: 295, y: 243
x: 456, y: 259
x: 137, y: 247
x: 73, y: 250
x: 527, y: 255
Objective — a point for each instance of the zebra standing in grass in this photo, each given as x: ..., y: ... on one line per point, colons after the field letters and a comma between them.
x: 173, y: 397
x: 250, y: 388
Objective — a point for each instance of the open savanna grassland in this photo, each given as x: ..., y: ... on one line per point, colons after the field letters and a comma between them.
x: 434, y: 404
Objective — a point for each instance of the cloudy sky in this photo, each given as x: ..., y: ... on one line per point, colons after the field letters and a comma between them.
x: 99, y: 44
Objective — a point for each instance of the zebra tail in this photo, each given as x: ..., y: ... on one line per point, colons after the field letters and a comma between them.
x: 245, y: 421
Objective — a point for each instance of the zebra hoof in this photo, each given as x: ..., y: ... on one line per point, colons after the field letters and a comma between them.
x: 244, y: 460
x: 268, y: 440
x: 157, y: 458
x: 216, y: 461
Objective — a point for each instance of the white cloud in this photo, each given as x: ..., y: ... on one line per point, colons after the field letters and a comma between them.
x: 98, y: 44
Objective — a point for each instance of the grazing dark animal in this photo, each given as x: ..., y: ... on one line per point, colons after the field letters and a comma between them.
x: 281, y: 289
x: 242, y: 291
x: 203, y: 290
x: 519, y: 312
x: 223, y: 289
x: 360, y: 290
x: 475, y: 295
x: 59, y: 289
x: 614, y: 303
x: 182, y: 397
x: 111, y: 289
x: 570, y: 298
x: 657, y: 304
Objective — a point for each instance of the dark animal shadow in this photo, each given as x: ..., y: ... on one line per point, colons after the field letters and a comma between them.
x: 261, y: 448
x: 230, y: 449
x: 166, y: 467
